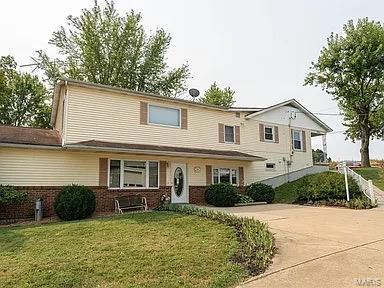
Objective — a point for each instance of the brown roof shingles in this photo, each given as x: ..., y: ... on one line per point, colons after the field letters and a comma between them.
x: 29, y: 136
x: 146, y: 147
x: 50, y: 137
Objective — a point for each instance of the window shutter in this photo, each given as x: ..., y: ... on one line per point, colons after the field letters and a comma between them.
x: 184, y: 118
x: 237, y: 135
x: 241, y: 176
x: 103, y: 172
x: 143, y: 113
x: 304, y: 143
x: 221, y: 133
x: 208, y: 174
x: 163, y: 173
x: 276, y: 132
x: 261, y: 132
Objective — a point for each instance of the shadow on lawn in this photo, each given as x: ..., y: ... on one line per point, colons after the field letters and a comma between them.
x: 142, y: 217
x: 10, y: 240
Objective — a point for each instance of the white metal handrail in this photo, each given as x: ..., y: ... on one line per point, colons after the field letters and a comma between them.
x: 365, y: 185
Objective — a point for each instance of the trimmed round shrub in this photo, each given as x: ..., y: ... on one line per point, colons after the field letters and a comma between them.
x: 260, y: 192
x: 75, y: 202
x: 221, y: 195
x: 326, y: 186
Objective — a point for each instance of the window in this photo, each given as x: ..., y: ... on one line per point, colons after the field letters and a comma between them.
x: 229, y: 134
x: 164, y: 116
x: 270, y: 166
x: 225, y: 175
x: 153, y: 174
x: 297, y: 139
x: 234, y: 176
x: 268, y: 133
x: 114, y: 174
x: 133, y: 174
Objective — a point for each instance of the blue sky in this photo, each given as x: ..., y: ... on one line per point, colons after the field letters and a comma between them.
x: 261, y: 49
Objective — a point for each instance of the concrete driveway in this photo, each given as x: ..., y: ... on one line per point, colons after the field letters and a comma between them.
x: 321, y: 247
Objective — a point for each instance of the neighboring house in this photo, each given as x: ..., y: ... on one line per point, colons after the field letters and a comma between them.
x: 121, y: 141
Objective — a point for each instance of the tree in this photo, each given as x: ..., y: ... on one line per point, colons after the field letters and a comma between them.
x: 23, y: 97
x: 217, y: 96
x: 351, y: 68
x: 318, y: 156
x: 103, y: 47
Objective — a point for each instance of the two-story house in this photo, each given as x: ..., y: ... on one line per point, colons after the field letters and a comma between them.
x: 120, y: 141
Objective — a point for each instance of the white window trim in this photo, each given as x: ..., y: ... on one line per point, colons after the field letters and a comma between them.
x: 230, y: 175
x: 164, y: 125
x: 270, y: 169
x: 122, y: 174
x: 301, y: 139
x: 273, y: 134
x: 234, y: 135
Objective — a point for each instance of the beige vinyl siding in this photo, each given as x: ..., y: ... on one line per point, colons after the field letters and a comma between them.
x: 46, y: 167
x: 115, y: 117
x: 273, y: 152
x: 35, y: 167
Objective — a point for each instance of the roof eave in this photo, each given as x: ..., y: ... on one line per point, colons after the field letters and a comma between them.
x: 138, y: 93
x: 29, y: 146
x: 161, y: 153
x: 301, y: 107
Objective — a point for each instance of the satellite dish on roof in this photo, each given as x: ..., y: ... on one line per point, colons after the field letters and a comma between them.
x: 194, y: 93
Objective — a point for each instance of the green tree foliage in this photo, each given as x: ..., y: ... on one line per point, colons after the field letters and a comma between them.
x: 217, y: 96
x: 104, y: 47
x: 23, y: 97
x: 318, y: 156
x: 351, y: 69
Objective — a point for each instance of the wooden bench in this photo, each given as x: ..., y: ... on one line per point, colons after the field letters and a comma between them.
x: 130, y: 202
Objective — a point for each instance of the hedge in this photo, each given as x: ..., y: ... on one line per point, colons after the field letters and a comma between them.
x: 257, y: 244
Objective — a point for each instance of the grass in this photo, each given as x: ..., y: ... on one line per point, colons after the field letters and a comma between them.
x: 374, y: 174
x: 155, y: 249
x: 257, y: 244
x: 287, y: 193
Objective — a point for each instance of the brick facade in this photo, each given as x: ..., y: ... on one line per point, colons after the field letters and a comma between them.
x: 104, y: 200
x: 196, y: 194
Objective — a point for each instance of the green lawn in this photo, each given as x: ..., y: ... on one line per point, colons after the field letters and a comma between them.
x: 287, y: 193
x: 374, y: 174
x: 155, y: 249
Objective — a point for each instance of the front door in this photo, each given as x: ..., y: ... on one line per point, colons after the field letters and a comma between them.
x: 179, y: 183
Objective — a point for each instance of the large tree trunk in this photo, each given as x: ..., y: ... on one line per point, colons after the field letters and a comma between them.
x: 364, y: 150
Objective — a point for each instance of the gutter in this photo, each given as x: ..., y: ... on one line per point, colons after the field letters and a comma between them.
x: 30, y: 146
x: 161, y: 153
x: 126, y: 91
x: 132, y: 151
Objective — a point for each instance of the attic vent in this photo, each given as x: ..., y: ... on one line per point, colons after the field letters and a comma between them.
x: 237, y: 114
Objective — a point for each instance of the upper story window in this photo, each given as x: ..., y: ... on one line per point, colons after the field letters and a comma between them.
x: 268, y: 133
x: 297, y: 139
x: 229, y: 134
x: 163, y: 116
